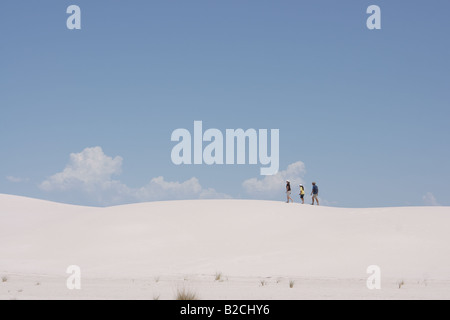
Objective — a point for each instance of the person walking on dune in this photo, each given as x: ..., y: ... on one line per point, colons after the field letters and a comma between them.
x: 289, y: 191
x: 315, y: 193
x: 302, y: 193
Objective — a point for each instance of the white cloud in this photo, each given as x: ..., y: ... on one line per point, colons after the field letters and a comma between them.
x: 270, y: 187
x: 430, y: 200
x: 16, y: 179
x: 213, y: 194
x: 91, y: 167
x: 91, y: 173
x: 160, y: 189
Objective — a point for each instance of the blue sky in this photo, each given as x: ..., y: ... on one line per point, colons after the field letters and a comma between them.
x: 364, y: 113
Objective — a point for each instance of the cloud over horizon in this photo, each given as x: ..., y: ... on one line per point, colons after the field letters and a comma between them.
x: 91, y: 174
x: 91, y: 168
x: 16, y: 179
x: 430, y: 200
x: 92, y: 177
x: 270, y: 187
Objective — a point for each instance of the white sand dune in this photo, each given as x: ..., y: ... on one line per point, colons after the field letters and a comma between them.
x: 327, y: 249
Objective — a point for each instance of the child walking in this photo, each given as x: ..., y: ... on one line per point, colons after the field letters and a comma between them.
x: 302, y: 193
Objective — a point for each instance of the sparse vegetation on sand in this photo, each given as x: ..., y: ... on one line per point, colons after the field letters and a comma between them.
x: 218, y: 276
x: 186, y: 295
x: 4, y: 279
x: 291, y: 284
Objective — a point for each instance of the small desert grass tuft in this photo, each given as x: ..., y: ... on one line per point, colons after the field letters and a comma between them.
x: 291, y: 284
x: 401, y: 284
x: 218, y: 276
x: 263, y: 283
x: 156, y: 297
x: 186, y: 295
x: 5, y: 279
x: 157, y: 279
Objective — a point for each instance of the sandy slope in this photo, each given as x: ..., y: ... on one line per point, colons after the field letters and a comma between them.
x: 243, y: 239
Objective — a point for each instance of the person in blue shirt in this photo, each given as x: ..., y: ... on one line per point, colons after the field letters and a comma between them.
x: 315, y: 193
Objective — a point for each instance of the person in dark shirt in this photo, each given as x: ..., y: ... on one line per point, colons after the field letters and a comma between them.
x: 288, y: 191
x: 315, y: 193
